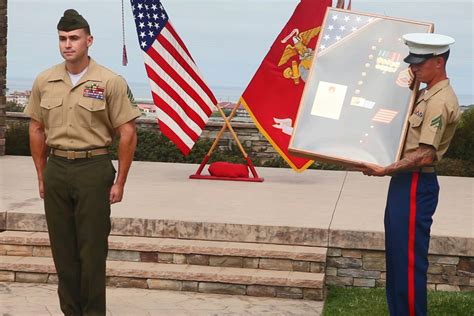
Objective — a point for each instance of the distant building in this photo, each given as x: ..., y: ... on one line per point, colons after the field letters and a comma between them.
x: 150, y: 110
x: 241, y: 112
x: 19, y: 97
x: 147, y: 109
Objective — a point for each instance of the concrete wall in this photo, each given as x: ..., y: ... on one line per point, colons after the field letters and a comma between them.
x: 3, y: 72
x: 349, y: 267
x: 366, y: 268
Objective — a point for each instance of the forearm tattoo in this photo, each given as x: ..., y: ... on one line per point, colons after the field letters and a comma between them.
x: 423, y: 156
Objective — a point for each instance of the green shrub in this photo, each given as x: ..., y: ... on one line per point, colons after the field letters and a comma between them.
x: 455, y: 168
x: 462, y: 146
x: 17, y: 140
x: 153, y: 146
x: 13, y: 107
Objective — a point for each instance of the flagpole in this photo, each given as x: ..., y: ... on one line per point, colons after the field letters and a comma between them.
x: 342, y: 3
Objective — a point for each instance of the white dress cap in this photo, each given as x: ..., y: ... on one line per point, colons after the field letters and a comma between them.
x: 428, y: 43
x: 423, y: 46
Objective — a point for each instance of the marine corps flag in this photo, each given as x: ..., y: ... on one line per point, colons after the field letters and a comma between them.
x: 273, y: 95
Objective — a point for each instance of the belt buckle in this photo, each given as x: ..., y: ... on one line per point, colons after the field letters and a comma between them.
x: 89, y: 154
x: 71, y: 155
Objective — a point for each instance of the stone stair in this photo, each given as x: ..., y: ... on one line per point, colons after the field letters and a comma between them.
x: 178, y: 264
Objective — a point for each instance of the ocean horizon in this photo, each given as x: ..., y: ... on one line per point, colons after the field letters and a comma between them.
x: 141, y: 91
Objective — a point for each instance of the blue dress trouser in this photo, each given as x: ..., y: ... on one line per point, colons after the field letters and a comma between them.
x: 411, y: 203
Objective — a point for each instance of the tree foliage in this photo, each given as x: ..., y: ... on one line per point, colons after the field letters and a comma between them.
x: 462, y: 146
x: 153, y: 146
x: 13, y: 107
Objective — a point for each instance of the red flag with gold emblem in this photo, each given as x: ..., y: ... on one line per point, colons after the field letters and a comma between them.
x: 273, y: 96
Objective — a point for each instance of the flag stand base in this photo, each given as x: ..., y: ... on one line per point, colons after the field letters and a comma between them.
x: 199, y: 176
x: 209, y: 177
x: 250, y: 165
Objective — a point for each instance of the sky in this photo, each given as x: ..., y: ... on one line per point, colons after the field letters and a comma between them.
x: 227, y: 38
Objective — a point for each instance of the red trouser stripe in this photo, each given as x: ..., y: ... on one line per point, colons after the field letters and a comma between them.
x: 411, y: 245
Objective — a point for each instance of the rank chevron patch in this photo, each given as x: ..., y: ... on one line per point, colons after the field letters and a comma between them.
x: 437, y: 122
x: 130, y: 96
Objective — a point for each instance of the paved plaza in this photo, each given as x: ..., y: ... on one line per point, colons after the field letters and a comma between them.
x: 333, y: 207
x: 330, y: 209
x: 24, y: 299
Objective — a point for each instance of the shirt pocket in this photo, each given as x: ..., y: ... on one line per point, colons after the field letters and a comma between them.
x: 415, y: 121
x: 91, y: 112
x: 52, y: 111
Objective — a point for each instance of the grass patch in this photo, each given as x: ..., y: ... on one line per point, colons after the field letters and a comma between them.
x: 445, y: 303
x: 367, y: 302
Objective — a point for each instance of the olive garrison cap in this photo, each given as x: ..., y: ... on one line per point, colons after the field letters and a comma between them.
x: 72, y: 20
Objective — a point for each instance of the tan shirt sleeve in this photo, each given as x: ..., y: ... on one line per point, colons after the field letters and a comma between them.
x: 33, y: 109
x: 434, y: 124
x: 120, y: 103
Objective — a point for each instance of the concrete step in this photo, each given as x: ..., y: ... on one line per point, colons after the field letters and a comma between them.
x: 240, y: 281
x: 182, y: 251
x: 236, y: 228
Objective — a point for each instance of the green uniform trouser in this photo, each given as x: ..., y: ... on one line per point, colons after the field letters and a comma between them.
x: 76, y: 198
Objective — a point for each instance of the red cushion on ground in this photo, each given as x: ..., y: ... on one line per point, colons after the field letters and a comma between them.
x: 228, y: 169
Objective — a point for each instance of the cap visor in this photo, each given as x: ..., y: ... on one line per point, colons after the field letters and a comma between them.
x: 410, y: 59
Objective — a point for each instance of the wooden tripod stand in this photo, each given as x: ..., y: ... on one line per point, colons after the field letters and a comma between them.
x: 227, y: 125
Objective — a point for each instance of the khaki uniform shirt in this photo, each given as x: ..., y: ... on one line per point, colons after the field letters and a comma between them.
x: 434, y: 119
x: 83, y: 116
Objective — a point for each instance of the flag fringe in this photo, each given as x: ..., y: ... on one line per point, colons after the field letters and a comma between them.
x: 274, y: 144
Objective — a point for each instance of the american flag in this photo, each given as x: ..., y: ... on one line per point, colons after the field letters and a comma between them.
x: 341, y: 24
x: 384, y: 116
x: 183, y: 99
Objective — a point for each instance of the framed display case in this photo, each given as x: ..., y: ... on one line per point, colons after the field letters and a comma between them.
x: 356, y: 101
